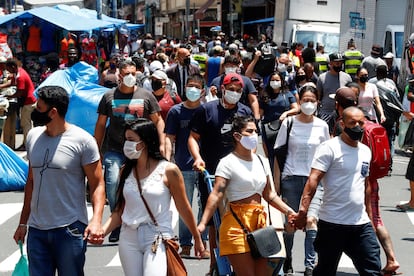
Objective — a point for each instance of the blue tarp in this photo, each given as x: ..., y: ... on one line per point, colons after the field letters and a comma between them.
x: 264, y: 20
x: 13, y: 170
x: 87, y: 13
x: 60, y: 18
x: 80, y: 81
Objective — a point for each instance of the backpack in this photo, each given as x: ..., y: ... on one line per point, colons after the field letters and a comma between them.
x: 390, y: 104
x: 376, y: 138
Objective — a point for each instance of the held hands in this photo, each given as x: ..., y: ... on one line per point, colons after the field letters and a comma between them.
x: 94, y: 233
x: 297, y: 220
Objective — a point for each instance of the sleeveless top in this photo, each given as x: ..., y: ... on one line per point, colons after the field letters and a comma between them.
x: 157, y: 195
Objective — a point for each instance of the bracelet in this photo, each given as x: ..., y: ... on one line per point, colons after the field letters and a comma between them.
x: 22, y: 225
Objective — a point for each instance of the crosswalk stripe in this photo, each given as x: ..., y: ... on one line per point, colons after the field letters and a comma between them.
x: 9, y: 263
x: 115, y: 261
x: 8, y: 210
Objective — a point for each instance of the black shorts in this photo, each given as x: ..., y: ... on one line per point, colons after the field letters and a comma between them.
x: 410, y: 169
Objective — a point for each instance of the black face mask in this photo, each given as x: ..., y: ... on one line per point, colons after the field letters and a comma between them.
x: 337, y: 68
x: 354, y: 133
x: 300, y: 77
x: 156, y: 84
x: 40, y: 118
x: 186, y: 61
x: 363, y: 79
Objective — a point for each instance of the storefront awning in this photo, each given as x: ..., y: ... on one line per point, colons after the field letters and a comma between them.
x: 199, y: 14
x: 264, y: 20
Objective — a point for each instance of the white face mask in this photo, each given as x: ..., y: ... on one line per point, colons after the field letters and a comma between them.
x: 228, y: 70
x: 275, y: 84
x: 130, y: 149
x: 281, y: 68
x: 249, y: 142
x: 129, y: 80
x: 192, y: 93
x: 308, y: 108
x: 231, y: 97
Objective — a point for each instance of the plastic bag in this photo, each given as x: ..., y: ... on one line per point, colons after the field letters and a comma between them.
x: 13, y: 170
x: 22, y: 266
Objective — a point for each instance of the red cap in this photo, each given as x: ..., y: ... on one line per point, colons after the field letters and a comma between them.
x: 233, y: 78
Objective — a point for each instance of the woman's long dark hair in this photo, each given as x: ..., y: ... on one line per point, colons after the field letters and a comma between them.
x: 147, y: 131
x: 268, y: 91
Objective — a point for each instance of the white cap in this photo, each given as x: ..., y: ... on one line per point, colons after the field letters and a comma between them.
x: 389, y: 55
x: 155, y: 65
x: 159, y: 75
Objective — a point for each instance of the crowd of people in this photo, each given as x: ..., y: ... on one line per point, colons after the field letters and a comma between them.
x: 172, y: 110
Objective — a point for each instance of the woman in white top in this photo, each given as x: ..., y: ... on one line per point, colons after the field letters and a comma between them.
x: 307, y: 132
x: 242, y: 178
x: 368, y: 96
x: 160, y: 180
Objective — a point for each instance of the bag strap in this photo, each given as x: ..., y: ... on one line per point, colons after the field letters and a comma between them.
x: 289, y: 128
x: 239, y: 221
x: 143, y: 199
x: 268, y: 205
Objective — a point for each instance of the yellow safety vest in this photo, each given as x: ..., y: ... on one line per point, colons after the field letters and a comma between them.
x: 353, y: 60
x: 201, y: 59
x: 322, y: 61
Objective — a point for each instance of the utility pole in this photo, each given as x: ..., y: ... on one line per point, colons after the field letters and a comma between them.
x: 187, y: 12
x: 231, y: 17
x: 99, y: 9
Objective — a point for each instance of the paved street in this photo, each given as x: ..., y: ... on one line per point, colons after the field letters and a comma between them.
x: 103, y: 260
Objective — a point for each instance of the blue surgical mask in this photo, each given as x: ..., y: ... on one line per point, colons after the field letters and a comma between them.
x: 192, y: 93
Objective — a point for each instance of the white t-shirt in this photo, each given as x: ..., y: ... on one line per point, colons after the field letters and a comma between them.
x: 303, y: 140
x: 366, y: 100
x: 245, y: 178
x: 345, y: 170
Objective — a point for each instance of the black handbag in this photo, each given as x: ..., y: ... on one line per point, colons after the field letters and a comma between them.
x: 282, y: 151
x: 263, y: 242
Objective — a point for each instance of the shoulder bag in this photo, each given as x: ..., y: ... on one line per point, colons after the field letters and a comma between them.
x: 272, y: 128
x: 175, y: 265
x: 282, y: 151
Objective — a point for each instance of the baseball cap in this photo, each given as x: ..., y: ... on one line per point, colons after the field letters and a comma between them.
x: 233, y: 78
x: 155, y: 65
x: 3, y: 59
x: 149, y: 53
x: 160, y: 75
x: 336, y: 57
x: 345, y: 97
x: 389, y: 55
x: 376, y: 49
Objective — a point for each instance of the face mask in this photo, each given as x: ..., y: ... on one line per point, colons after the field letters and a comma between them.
x: 40, y: 118
x: 249, y: 142
x: 337, y: 68
x: 228, y: 70
x: 192, y: 93
x: 186, y: 61
x: 156, y: 84
x: 231, y: 97
x: 129, y: 80
x: 354, y: 133
x: 308, y: 108
x: 275, y: 84
x: 363, y: 79
x: 130, y: 149
x: 300, y: 77
x: 281, y: 68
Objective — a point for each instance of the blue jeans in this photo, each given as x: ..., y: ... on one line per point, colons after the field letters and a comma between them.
x: 112, y: 163
x: 62, y: 249
x: 191, y: 182
x: 359, y: 242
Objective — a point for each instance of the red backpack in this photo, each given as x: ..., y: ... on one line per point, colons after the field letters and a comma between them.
x: 376, y: 138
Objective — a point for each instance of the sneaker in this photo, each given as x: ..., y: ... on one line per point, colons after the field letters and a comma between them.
x: 185, y: 251
x: 114, y: 237
x: 308, y: 271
